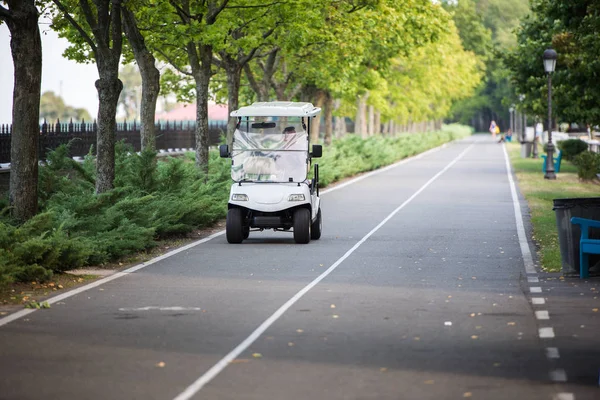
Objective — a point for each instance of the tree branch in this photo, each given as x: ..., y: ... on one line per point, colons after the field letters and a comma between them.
x: 116, y: 26
x: 78, y: 27
x: 173, y: 64
x: 251, y: 79
x: 5, y: 13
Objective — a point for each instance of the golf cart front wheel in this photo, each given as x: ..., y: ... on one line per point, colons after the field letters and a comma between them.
x: 234, y: 229
x: 302, y: 226
x: 316, y: 227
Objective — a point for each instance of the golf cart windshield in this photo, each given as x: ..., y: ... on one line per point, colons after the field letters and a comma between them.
x: 270, y: 151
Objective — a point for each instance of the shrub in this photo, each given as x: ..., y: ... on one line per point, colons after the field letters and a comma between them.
x: 570, y: 148
x: 588, y: 165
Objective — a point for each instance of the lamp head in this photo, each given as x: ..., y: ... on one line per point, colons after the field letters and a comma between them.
x: 550, y: 57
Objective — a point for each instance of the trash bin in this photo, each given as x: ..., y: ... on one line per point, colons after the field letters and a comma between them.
x: 569, y: 234
x: 526, y: 149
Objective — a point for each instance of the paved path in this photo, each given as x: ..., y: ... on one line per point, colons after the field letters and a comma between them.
x: 416, y: 290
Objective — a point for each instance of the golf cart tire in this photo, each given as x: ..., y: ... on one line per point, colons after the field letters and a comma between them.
x: 234, y: 229
x: 315, y: 227
x: 302, y: 226
x: 246, y: 231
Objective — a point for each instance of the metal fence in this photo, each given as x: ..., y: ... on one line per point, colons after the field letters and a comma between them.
x: 169, y: 135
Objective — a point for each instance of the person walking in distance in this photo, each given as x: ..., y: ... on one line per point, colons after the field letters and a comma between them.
x: 494, y: 129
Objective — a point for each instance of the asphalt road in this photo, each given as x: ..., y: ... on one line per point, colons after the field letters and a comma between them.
x: 416, y: 290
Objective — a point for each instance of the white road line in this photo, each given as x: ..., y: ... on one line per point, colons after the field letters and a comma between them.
x: 535, y: 289
x: 525, y: 251
x: 20, y: 314
x: 60, y: 297
x: 538, y: 300
x: 546, y: 333
x: 558, y: 375
x: 222, y: 364
x: 153, y: 308
x: 542, y: 315
x: 552, y: 353
x: 378, y: 171
x: 533, y: 279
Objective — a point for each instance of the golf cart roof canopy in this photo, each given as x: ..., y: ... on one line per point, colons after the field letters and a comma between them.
x: 277, y: 109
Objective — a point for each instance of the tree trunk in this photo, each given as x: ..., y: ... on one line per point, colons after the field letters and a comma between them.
x: 371, y: 121
x: 150, y: 80
x: 202, y: 79
x: 26, y: 49
x: 316, y: 122
x: 109, y: 87
x: 328, y: 119
x: 361, y: 116
x: 377, y: 122
x: 234, y: 73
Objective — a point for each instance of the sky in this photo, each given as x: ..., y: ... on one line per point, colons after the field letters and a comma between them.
x: 75, y: 82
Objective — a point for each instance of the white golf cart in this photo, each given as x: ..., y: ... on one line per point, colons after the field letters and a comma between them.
x: 270, y: 160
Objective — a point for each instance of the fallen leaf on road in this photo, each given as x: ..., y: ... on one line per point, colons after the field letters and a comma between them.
x: 417, y: 338
x: 161, y: 364
x: 382, y: 369
x: 478, y: 327
x: 594, y: 309
x: 474, y: 337
x: 335, y: 316
x: 291, y: 344
x: 429, y: 382
x: 299, y: 330
x: 256, y: 355
x: 332, y: 306
x: 511, y: 323
x: 473, y: 277
x: 239, y: 361
x: 497, y: 364
x: 468, y: 394
x: 472, y: 314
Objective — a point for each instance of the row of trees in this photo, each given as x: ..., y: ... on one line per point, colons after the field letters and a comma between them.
x: 384, y: 61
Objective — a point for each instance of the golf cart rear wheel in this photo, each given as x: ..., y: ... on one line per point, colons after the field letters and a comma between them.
x: 246, y: 231
x: 302, y: 225
x: 315, y: 227
x: 234, y: 229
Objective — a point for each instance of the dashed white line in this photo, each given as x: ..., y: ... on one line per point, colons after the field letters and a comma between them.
x: 546, y: 333
x: 552, y: 353
x: 538, y: 300
x: 558, y: 375
x: 535, y: 289
x: 542, y: 315
x: 533, y: 279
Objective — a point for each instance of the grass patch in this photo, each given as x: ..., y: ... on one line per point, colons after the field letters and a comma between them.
x: 539, y: 193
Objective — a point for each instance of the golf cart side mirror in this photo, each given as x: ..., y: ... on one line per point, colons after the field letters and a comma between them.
x: 317, y: 151
x: 224, y: 151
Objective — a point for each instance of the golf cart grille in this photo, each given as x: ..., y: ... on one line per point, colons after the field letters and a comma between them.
x: 266, y: 222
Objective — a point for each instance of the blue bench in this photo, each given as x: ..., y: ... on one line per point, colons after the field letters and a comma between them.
x: 556, y: 160
x: 586, y: 245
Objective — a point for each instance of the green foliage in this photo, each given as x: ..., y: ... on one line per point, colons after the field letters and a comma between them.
x: 571, y: 148
x: 588, y: 165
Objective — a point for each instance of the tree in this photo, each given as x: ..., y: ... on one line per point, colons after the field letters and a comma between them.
x: 571, y: 29
x: 21, y: 17
x: 149, y: 74
x: 95, y: 33
x: 53, y: 107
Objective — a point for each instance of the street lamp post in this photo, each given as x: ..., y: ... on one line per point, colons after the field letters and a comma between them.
x: 511, y: 114
x: 523, y: 119
x: 550, y: 57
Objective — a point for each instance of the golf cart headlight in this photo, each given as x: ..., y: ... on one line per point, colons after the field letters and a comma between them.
x: 296, y: 197
x: 239, y: 197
